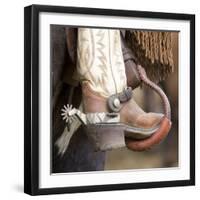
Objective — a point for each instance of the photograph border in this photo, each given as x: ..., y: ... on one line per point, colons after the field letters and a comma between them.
x: 31, y: 98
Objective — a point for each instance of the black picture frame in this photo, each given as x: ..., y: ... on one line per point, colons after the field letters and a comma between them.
x: 31, y: 98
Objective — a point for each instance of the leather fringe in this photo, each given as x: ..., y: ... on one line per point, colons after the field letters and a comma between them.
x: 153, y: 51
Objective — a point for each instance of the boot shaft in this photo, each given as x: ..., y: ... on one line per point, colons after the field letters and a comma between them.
x: 100, y: 60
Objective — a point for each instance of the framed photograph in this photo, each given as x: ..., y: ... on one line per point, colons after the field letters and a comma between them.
x: 109, y: 99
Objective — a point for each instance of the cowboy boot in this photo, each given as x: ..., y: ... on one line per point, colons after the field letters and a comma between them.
x: 101, y: 66
x: 136, y: 76
x: 135, y: 122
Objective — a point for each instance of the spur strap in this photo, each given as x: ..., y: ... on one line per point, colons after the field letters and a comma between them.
x: 115, y: 101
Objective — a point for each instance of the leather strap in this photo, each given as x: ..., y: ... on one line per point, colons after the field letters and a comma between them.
x: 114, y: 101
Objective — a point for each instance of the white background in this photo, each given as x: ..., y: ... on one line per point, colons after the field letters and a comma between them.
x: 11, y: 100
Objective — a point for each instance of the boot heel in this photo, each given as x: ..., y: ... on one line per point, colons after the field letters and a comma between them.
x: 106, y: 136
